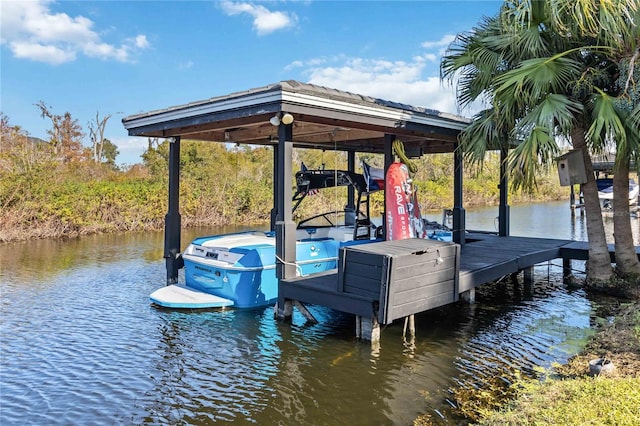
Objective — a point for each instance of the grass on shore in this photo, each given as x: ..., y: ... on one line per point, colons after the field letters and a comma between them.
x: 579, y: 401
x: 575, y: 398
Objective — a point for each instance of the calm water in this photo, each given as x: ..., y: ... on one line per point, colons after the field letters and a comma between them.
x: 80, y: 343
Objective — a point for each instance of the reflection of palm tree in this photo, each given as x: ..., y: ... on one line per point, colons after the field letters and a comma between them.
x: 543, y: 84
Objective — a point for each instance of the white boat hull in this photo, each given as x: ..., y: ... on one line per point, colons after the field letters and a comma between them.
x: 605, y: 193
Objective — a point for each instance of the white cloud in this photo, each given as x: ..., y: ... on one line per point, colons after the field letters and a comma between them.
x: 141, y: 41
x: 42, y: 53
x: 185, y: 65
x: 414, y: 82
x: 445, y: 41
x: 130, y: 149
x: 264, y: 20
x: 32, y: 31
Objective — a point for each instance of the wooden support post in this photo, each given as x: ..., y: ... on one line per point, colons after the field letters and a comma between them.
x: 572, y: 201
x: 459, y: 226
x: 305, y: 312
x: 527, y: 274
x: 410, y: 324
x: 368, y: 328
x: 566, y: 268
x: 351, y: 166
x: 503, y: 210
x: 567, y: 273
x: 469, y: 296
x: 284, y: 309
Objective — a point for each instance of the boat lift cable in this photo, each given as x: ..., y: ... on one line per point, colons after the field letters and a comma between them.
x: 298, y: 267
x: 581, y: 271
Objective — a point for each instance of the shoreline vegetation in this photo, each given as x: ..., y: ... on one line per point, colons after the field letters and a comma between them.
x: 43, y: 196
x: 569, y: 394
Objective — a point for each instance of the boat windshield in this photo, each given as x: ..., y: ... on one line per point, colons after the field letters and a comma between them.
x: 309, y: 182
x: 324, y: 220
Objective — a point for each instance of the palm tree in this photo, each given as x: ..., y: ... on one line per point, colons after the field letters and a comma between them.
x: 539, y: 83
x: 613, y: 94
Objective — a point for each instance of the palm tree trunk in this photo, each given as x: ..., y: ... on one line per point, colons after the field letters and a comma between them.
x: 626, y: 259
x: 599, y: 268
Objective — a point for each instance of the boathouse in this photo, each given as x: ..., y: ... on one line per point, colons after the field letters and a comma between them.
x: 291, y: 114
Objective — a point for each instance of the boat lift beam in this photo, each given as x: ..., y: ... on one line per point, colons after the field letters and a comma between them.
x: 276, y: 178
x: 284, y: 226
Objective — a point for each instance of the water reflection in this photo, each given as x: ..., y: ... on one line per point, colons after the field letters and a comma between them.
x: 80, y: 343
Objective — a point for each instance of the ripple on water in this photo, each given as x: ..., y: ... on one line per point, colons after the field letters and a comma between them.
x: 81, y: 344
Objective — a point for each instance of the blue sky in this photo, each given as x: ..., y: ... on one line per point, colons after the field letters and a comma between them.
x: 125, y: 57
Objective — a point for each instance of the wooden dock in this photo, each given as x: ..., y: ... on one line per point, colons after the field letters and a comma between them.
x: 488, y: 257
x: 484, y: 258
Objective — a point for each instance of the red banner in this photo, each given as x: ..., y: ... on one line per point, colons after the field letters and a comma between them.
x: 403, y: 212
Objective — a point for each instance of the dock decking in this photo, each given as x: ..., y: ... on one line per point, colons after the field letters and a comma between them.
x: 483, y: 258
x: 487, y: 257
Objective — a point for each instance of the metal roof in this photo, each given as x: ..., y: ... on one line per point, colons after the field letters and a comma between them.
x: 324, y: 118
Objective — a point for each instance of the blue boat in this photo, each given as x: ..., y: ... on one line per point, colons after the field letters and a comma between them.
x: 239, y: 269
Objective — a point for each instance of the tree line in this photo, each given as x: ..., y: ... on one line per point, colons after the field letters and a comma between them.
x: 61, y: 188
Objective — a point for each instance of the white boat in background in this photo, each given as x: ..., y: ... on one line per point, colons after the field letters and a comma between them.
x: 605, y: 193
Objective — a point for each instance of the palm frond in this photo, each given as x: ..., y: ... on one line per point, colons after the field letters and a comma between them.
x: 630, y: 145
x: 554, y: 111
x: 606, y: 126
x: 482, y: 135
x: 535, y: 78
x: 471, y: 62
x: 538, y: 149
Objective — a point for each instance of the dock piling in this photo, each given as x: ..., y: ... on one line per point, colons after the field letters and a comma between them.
x: 368, y: 328
x: 284, y: 311
x: 469, y: 296
x: 527, y: 274
x: 410, y: 324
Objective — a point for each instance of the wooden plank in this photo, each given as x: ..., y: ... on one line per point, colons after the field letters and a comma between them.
x: 417, y: 280
x: 353, y: 255
x: 579, y: 250
x: 422, y: 280
x: 370, y: 289
x: 366, y: 271
x: 426, y: 292
x: 423, y: 268
x: 533, y: 258
x: 472, y: 278
x: 416, y: 306
x: 325, y: 279
x: 301, y: 291
x: 425, y: 257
